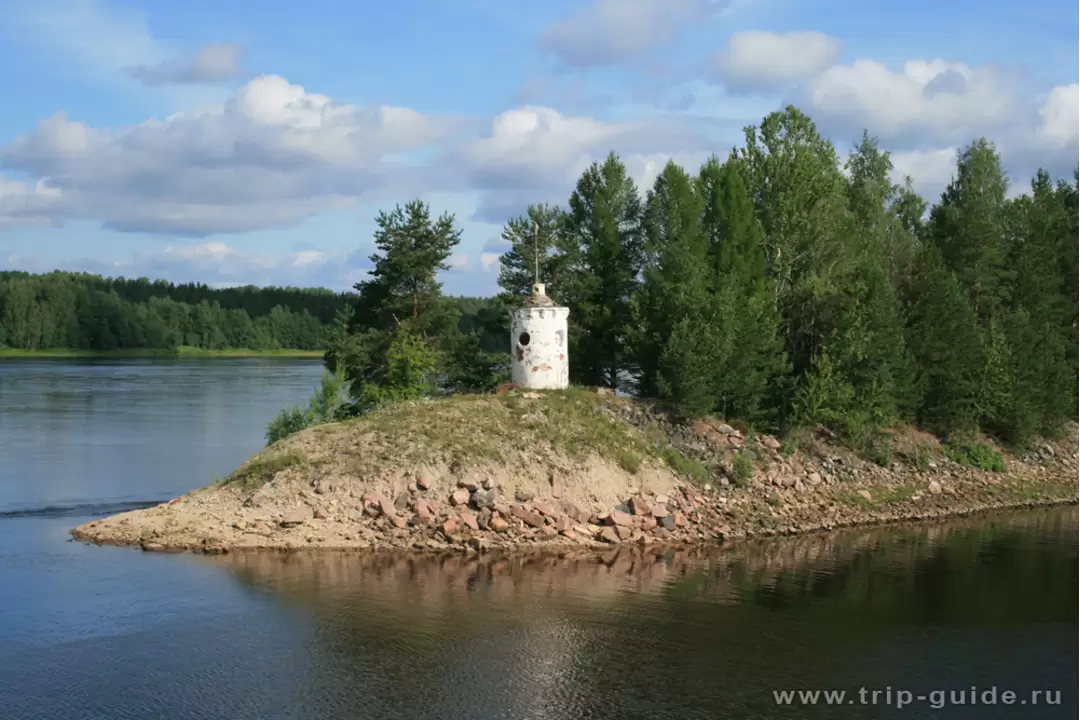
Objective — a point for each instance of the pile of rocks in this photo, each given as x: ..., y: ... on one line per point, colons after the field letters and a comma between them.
x: 818, y: 486
x: 476, y: 516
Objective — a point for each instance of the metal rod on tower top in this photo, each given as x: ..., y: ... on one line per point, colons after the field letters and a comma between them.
x: 536, y: 253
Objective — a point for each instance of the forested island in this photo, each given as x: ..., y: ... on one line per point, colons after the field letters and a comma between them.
x: 806, y: 345
x: 777, y: 286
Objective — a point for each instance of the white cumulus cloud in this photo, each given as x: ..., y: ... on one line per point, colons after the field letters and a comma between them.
x: 944, y: 100
x: 209, y: 63
x: 609, y: 31
x: 271, y: 155
x: 27, y: 205
x: 1060, y: 116
x: 760, y: 60
x: 535, y: 154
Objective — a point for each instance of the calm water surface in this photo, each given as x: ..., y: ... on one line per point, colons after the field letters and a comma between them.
x: 88, y: 632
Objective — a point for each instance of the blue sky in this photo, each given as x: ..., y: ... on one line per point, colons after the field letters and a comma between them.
x: 237, y: 142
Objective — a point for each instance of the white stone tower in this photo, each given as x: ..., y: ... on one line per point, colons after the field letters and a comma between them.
x: 539, y: 359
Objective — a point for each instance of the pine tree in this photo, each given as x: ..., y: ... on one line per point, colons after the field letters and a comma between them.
x: 413, y: 248
x: 534, y: 236
x: 535, y: 241
x: 392, y: 347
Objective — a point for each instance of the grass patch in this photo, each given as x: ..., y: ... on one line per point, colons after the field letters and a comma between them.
x: 216, y: 481
x: 854, y: 499
x: 796, y: 439
x: 899, y: 493
x: 484, y: 427
x: 261, y: 470
x: 686, y: 466
x: 1025, y: 493
x: 921, y: 458
x: 464, y: 429
x: 976, y: 455
x: 880, y: 496
x: 628, y: 460
x: 870, y: 444
x: 655, y: 435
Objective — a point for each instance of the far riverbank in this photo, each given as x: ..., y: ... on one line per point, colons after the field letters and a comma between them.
x: 139, y: 353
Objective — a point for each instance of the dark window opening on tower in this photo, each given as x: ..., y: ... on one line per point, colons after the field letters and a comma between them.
x: 523, y: 339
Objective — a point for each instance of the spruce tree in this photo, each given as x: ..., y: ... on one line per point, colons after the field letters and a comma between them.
x: 968, y: 227
x: 736, y: 240
x: 943, y: 334
x: 603, y: 249
x: 1037, y: 324
x: 751, y: 372
x: 874, y: 356
x: 685, y: 373
x: 675, y: 285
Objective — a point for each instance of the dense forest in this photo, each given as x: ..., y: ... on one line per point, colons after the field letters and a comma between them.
x: 78, y: 311
x: 776, y: 285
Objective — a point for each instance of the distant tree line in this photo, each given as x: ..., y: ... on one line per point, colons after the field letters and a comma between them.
x: 88, y: 312
x: 80, y: 311
x: 776, y: 285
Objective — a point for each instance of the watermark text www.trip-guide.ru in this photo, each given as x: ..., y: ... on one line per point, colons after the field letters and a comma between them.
x: 936, y: 699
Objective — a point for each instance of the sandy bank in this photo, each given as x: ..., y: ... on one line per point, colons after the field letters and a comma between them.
x: 570, y: 469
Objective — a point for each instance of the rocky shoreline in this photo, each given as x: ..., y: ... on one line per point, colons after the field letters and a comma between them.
x: 322, y: 497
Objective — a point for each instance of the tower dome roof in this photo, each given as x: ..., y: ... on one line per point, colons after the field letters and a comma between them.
x: 539, y: 297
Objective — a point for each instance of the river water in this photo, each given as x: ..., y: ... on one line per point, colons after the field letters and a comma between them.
x: 969, y: 610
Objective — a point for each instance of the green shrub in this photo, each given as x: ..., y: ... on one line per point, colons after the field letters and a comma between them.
x: 262, y: 470
x: 976, y: 455
x: 880, y: 451
x: 922, y: 458
x: 628, y: 461
x: 329, y: 403
x: 683, y: 465
x: 742, y: 468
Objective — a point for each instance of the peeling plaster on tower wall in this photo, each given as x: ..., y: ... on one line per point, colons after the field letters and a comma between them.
x: 538, y: 338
